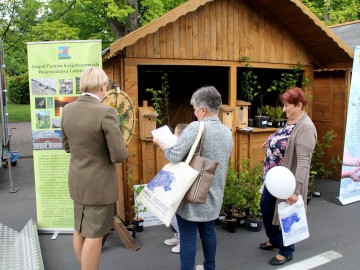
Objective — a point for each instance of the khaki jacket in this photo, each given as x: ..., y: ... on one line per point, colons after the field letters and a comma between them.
x: 91, y: 134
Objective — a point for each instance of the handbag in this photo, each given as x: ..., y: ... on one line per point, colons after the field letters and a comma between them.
x: 199, y: 190
x: 163, y: 194
x: 293, y: 222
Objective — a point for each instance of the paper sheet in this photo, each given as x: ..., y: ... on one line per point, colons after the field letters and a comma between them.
x: 164, y: 133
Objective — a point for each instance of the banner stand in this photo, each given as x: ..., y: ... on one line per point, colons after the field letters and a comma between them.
x: 350, y: 173
x: 336, y: 200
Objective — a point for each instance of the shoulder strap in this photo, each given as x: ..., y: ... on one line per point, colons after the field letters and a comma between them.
x: 202, y: 141
x: 193, y: 148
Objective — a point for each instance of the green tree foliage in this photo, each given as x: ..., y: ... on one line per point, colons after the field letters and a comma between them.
x: 160, y: 100
x: 56, y: 30
x: 19, y: 86
x: 16, y: 20
x: 152, y: 9
x: 334, y: 11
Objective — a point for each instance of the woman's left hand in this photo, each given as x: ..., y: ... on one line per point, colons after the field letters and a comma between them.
x: 292, y: 199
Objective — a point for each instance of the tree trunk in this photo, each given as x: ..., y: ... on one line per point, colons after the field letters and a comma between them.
x: 132, y: 19
x: 120, y: 29
x: 116, y: 27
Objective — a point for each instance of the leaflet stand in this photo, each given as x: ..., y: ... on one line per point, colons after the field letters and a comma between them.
x: 5, y: 153
x: 7, y: 156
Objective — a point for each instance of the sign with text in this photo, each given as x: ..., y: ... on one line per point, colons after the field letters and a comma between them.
x: 54, y: 75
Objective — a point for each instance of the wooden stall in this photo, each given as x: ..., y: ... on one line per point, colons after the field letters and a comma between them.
x: 201, y: 43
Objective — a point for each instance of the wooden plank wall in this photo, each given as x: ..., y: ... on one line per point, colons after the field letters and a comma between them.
x: 249, y: 145
x: 329, y: 110
x: 222, y: 30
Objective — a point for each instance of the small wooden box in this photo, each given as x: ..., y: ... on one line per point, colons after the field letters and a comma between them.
x: 147, y: 122
x: 226, y: 116
x: 242, y: 111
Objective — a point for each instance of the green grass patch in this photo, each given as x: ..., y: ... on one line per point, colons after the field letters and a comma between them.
x: 18, y: 112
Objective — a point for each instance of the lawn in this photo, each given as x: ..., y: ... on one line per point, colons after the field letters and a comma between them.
x: 18, y: 112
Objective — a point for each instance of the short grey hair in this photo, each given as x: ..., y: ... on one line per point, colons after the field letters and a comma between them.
x: 207, y: 97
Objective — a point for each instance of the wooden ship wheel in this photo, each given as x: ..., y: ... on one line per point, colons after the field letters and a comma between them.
x: 123, y: 105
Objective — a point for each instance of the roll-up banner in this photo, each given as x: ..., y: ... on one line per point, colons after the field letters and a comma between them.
x: 55, y: 68
x: 350, y: 173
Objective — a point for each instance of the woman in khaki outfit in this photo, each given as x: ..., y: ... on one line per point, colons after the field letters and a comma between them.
x: 91, y: 134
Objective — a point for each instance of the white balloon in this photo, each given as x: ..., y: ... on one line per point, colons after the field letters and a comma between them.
x: 280, y: 182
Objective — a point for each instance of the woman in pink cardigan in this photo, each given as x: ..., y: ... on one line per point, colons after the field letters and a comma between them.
x: 292, y: 147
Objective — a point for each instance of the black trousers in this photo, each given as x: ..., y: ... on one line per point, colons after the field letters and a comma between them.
x: 273, y: 232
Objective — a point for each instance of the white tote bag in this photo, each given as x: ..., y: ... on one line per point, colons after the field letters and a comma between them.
x: 163, y: 194
x: 293, y: 222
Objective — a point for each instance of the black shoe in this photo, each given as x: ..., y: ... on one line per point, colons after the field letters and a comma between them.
x: 275, y: 261
x: 265, y: 246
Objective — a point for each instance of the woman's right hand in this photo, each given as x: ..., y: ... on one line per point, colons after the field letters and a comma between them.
x: 157, y: 142
x: 265, y: 145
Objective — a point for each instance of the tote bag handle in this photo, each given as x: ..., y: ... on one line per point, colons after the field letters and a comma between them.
x: 193, y: 148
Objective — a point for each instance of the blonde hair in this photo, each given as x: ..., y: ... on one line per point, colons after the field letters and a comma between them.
x: 92, y: 79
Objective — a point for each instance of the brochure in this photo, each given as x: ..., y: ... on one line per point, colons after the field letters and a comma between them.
x: 164, y: 133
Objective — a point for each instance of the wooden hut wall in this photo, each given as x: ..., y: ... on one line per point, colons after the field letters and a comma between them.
x: 224, y: 30
x: 329, y: 112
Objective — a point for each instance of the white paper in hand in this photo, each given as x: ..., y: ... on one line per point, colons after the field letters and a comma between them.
x: 164, y: 133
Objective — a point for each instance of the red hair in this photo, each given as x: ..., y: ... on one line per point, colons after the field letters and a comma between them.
x: 294, y: 96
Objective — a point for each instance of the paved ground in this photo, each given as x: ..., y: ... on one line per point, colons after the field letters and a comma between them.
x: 21, y: 138
x: 332, y: 228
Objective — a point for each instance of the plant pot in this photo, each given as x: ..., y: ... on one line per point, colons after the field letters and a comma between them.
x: 316, y: 193
x: 250, y: 122
x: 131, y: 230
x: 224, y: 224
x: 220, y: 219
x: 270, y: 123
x: 254, y: 224
x: 240, y: 219
x: 277, y: 123
x: 261, y: 121
x: 309, y: 197
x: 138, y: 224
x: 231, y: 226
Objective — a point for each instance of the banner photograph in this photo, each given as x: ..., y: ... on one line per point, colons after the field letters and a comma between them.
x: 350, y: 174
x: 54, y: 73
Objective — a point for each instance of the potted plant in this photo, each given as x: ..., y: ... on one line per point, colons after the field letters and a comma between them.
x: 252, y: 88
x: 249, y: 84
x: 229, y: 201
x: 261, y: 120
x: 279, y: 120
x: 252, y: 177
x: 160, y: 100
x: 241, y: 202
x: 269, y: 111
x: 136, y: 207
x: 318, y: 168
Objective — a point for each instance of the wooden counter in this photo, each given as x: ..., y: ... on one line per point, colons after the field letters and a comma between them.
x: 249, y: 144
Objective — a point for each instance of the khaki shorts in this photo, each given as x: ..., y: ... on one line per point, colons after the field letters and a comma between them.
x: 93, y: 221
